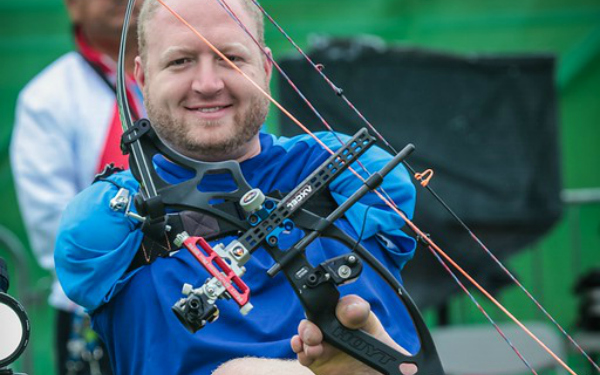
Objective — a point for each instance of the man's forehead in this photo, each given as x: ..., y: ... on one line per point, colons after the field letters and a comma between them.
x: 213, y: 24
x: 160, y: 29
x: 178, y: 49
x: 199, y: 12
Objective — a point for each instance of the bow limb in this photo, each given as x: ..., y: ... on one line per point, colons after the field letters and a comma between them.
x: 140, y: 166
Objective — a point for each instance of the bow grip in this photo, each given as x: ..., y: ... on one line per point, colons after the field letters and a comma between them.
x: 320, y: 301
x: 356, y: 343
x: 365, y: 348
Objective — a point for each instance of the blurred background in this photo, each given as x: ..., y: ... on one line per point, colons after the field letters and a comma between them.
x: 562, y: 37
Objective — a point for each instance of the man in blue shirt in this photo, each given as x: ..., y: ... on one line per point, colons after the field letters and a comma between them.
x: 205, y: 109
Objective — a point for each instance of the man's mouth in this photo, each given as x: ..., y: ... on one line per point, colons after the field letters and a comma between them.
x: 211, y: 112
x: 210, y: 109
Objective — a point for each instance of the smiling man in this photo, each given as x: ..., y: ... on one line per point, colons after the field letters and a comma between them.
x: 205, y: 109
x: 200, y: 105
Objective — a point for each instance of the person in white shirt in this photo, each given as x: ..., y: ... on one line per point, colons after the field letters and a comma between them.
x: 66, y: 130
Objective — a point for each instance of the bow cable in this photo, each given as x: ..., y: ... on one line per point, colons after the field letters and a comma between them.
x: 419, y: 176
x: 424, y: 177
x: 431, y: 244
x: 488, y: 317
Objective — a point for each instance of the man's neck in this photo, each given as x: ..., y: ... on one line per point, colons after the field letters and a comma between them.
x: 244, y: 155
x: 246, y: 152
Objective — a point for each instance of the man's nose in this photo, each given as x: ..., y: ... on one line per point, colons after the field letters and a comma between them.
x: 208, y: 79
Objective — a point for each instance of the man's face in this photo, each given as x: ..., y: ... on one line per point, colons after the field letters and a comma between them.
x: 100, y: 19
x: 196, y: 101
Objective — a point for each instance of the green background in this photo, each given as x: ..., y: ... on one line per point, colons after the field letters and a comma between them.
x: 33, y: 33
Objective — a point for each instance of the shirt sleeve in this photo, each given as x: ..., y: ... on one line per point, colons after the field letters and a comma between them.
x: 371, y: 216
x: 95, y: 245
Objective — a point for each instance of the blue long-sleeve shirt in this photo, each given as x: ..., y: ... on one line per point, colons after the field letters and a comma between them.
x: 132, y: 311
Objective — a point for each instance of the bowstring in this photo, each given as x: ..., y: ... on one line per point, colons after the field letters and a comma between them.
x: 465, y: 289
x: 340, y: 93
x: 431, y: 244
x: 484, y: 312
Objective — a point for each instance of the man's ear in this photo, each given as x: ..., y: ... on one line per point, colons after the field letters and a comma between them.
x: 138, y: 72
x: 74, y: 8
x: 268, y: 63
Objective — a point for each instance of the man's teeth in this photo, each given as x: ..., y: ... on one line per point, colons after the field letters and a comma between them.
x: 209, y: 110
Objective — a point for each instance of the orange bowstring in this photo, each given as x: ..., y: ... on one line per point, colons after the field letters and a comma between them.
x: 434, y: 246
x: 388, y: 202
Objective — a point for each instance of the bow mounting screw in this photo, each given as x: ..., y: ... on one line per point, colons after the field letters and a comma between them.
x: 344, y: 271
x: 238, y: 252
x: 312, y: 280
x: 210, y: 292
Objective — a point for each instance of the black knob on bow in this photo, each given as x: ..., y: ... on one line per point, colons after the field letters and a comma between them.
x: 194, y: 312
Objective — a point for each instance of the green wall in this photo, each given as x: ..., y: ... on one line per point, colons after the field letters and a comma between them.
x: 35, y: 32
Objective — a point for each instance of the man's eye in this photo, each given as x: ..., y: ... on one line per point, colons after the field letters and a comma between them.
x: 179, y: 62
x: 234, y: 58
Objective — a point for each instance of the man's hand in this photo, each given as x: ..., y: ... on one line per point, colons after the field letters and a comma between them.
x: 324, y: 359
x: 315, y: 355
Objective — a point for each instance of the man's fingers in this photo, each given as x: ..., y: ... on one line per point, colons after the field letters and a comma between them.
x: 304, y: 360
x: 309, y: 333
x: 353, y: 312
x: 307, y: 344
x: 313, y: 352
x: 296, y: 344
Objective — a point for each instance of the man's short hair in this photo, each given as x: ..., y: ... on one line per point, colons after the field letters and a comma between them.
x: 150, y: 7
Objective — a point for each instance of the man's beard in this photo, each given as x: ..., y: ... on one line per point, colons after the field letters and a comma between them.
x: 186, y: 137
